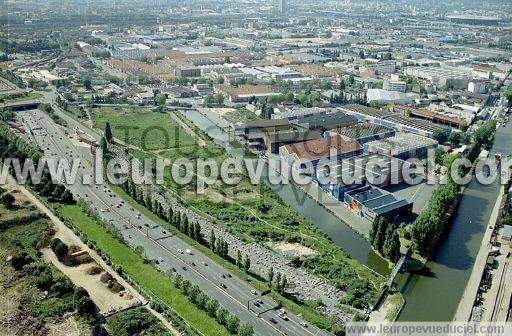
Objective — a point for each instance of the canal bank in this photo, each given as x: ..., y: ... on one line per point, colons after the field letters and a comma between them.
x: 434, y: 295
x: 355, y: 245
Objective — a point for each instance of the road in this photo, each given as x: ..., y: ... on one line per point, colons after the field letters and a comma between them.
x: 138, y: 230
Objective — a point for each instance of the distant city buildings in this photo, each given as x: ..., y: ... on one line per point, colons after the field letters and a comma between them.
x: 282, y: 6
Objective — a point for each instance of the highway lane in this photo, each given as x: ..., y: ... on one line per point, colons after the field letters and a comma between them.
x: 141, y: 231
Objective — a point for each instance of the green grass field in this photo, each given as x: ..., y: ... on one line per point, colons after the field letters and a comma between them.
x: 17, y: 97
x: 146, y: 275
x: 141, y: 127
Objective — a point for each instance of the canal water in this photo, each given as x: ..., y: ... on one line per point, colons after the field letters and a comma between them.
x: 342, y: 235
x: 430, y: 296
x: 435, y: 296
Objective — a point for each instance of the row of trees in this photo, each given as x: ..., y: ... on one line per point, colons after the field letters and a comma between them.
x: 341, y: 99
x: 219, y: 245
x: 384, y: 238
x: 175, y: 218
x: 212, y: 307
x: 13, y: 147
x: 277, y: 281
x: 215, y: 99
x: 431, y: 224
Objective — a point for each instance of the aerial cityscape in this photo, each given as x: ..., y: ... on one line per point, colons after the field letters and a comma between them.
x: 271, y: 167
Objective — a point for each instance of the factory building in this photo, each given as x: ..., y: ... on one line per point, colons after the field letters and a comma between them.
x: 439, y: 118
x: 363, y: 132
x: 402, y: 146
x: 370, y: 202
x: 352, y: 173
x: 304, y: 155
x: 395, y: 120
x: 323, y: 122
x: 273, y: 140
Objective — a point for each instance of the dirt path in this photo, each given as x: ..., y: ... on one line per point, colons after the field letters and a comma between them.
x: 187, y: 129
x: 64, y: 233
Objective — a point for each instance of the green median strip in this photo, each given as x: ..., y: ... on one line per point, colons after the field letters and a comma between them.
x: 146, y: 275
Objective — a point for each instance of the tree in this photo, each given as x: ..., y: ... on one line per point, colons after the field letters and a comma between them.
x: 270, y: 276
x: 212, y: 240
x: 160, y: 99
x: 201, y: 301
x: 247, y: 264
x: 104, y: 145
x: 278, y: 282
x: 67, y: 197
x: 245, y: 329
x: 197, y: 232
x: 284, y: 282
x: 222, y: 315
x: 193, y: 293
x: 185, y: 287
x: 209, y: 100
x: 440, y: 136
x: 239, y: 259
x: 392, y: 245
x: 87, y: 84
x: 380, y: 235
x: 232, y: 323
x: 178, y: 280
x: 108, y: 132
x: 211, y: 307
x: 465, y: 139
x: 86, y: 308
x: 8, y: 200
x: 61, y: 250
x: 219, y: 98
x: 454, y: 138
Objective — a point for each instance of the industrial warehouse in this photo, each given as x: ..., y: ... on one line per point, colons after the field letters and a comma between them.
x: 367, y: 145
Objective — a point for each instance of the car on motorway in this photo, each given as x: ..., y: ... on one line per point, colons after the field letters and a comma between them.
x: 254, y: 292
x: 273, y: 320
x: 223, y: 285
x: 204, y: 263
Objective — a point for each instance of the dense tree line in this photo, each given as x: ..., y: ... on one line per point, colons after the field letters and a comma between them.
x: 10, y: 46
x: 12, y: 146
x: 13, y: 78
x: 384, y: 239
x: 212, y: 307
x: 173, y: 217
x: 431, y: 224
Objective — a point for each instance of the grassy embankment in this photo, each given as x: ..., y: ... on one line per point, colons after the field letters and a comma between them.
x: 146, y: 275
x: 252, y: 212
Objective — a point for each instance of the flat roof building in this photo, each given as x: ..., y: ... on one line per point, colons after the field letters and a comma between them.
x: 402, y: 146
x: 304, y: 155
x: 363, y: 132
x: 370, y: 202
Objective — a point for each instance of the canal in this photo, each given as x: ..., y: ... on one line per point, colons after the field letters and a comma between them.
x: 342, y: 235
x: 434, y: 296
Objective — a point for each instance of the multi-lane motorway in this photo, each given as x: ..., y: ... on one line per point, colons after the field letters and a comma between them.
x: 168, y: 251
